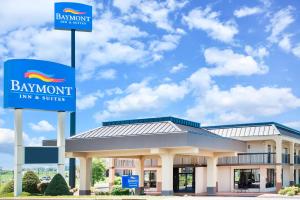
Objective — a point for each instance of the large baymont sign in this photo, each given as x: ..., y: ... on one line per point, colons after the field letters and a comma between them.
x: 75, y: 16
x: 36, y: 84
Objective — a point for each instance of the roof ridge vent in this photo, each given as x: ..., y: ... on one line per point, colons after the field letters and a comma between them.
x: 156, y: 119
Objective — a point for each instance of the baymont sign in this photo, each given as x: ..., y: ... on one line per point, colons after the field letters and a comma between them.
x: 35, y: 84
x: 75, y: 16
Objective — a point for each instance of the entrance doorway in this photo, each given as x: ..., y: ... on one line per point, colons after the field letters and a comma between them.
x: 184, y: 179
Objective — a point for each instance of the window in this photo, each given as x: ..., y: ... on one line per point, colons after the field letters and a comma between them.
x: 150, y: 178
x: 246, y: 178
x: 270, y: 182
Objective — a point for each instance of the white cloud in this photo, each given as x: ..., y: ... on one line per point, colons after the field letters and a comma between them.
x: 296, y: 50
x: 154, y: 12
x: 279, y: 22
x: 42, y: 126
x: 168, y: 42
x: 293, y: 124
x: 227, y: 62
x: 177, y: 68
x: 260, y: 52
x: 7, y: 140
x: 247, y: 11
x: 239, y: 104
x: 88, y: 101
x: 207, y: 20
x: 108, y: 74
x: 140, y: 97
x: 113, y: 91
x: 124, y: 6
x: 285, y: 43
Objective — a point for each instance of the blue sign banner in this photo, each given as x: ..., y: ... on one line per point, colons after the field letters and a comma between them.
x: 36, y: 84
x: 76, y: 16
x: 41, y: 155
x: 130, y: 181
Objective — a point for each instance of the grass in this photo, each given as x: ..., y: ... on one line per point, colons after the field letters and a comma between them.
x: 27, y: 196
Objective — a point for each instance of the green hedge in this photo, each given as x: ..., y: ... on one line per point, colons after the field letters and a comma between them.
x: 30, y: 182
x: 57, y: 186
x: 120, y: 191
x: 8, y: 188
x: 290, y: 191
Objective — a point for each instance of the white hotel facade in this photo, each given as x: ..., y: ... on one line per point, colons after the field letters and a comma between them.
x: 172, y: 155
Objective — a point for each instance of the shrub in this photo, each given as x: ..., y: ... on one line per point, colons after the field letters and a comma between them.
x: 120, y: 191
x: 101, y: 193
x: 118, y: 180
x: 8, y: 188
x: 290, y: 191
x: 42, y: 187
x: 30, y: 181
x: 57, y: 186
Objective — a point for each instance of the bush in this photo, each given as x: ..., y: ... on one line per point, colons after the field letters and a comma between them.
x: 30, y: 181
x: 42, y: 187
x: 101, y: 193
x: 8, y: 188
x: 120, y: 191
x: 57, y: 186
x: 290, y: 191
x: 118, y: 180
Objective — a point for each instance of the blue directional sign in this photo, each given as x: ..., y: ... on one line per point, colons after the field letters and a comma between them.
x: 130, y: 181
x: 75, y: 16
x: 37, y: 84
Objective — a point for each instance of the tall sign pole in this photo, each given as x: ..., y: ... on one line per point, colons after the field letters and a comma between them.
x: 72, y: 161
x: 73, y: 16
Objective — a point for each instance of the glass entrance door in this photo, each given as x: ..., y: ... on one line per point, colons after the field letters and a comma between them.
x: 184, y: 179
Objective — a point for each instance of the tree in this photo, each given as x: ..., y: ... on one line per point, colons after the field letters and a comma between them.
x: 57, y: 186
x: 98, y: 171
x: 29, y: 182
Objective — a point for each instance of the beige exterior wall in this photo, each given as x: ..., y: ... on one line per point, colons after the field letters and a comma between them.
x: 200, y: 180
x: 224, y: 179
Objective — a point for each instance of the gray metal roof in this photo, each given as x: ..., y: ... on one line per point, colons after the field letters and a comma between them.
x: 246, y: 131
x: 130, y: 130
x: 156, y: 134
x: 253, y: 129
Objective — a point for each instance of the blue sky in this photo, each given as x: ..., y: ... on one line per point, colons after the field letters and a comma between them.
x: 212, y: 62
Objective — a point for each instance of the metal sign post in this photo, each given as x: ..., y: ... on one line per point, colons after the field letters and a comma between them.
x: 19, y: 156
x: 72, y: 161
x: 72, y: 16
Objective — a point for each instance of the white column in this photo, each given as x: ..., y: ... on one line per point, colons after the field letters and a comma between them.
x: 19, y: 153
x: 167, y: 174
x: 61, y: 117
x: 292, y: 149
x: 85, y: 176
x: 212, y: 175
x: 140, y: 172
x: 111, y: 175
x: 278, y: 163
x: 263, y: 178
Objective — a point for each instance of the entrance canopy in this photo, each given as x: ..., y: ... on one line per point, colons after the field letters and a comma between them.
x: 149, y: 136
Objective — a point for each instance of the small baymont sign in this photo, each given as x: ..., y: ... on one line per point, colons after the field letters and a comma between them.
x: 75, y: 16
x: 36, y: 84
